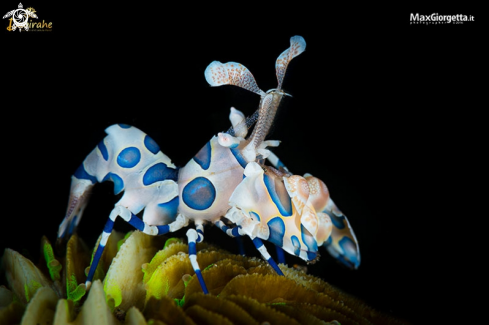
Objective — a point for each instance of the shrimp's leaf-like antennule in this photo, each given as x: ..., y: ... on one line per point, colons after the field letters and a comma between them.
x: 297, y: 46
x: 232, y: 73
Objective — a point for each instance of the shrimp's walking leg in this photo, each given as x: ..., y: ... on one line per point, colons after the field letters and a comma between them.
x: 136, y: 222
x: 194, y: 237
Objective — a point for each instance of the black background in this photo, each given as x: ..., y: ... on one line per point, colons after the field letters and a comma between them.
x: 385, y: 112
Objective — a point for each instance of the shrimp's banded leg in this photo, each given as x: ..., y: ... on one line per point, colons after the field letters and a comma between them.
x: 263, y: 251
x: 234, y: 232
x: 276, y: 162
x: 230, y: 231
x: 194, y: 237
x: 136, y: 222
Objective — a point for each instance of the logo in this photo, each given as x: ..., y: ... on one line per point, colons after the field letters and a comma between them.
x: 19, y: 19
x: 435, y: 19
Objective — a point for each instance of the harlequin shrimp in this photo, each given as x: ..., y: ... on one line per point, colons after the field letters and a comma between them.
x: 214, y: 184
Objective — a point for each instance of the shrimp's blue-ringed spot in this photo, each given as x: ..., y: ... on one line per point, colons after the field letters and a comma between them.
x: 199, y: 194
x: 129, y: 157
x: 117, y: 180
x: 151, y: 145
x: 277, y: 231
x: 203, y: 157
x: 159, y: 172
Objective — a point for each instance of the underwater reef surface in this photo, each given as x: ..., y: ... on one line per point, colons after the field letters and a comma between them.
x: 137, y: 282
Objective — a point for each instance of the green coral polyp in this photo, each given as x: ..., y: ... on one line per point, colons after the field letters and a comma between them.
x: 74, y: 291
x: 114, y: 295
x: 54, y: 266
